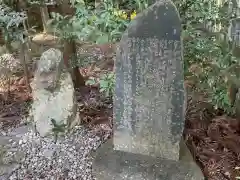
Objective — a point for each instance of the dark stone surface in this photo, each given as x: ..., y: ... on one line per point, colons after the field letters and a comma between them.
x: 149, y: 103
x: 234, y: 31
x: 119, y: 165
x: 149, y: 96
x: 234, y: 36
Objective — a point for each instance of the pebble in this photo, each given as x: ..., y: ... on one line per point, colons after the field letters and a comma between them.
x: 68, y: 159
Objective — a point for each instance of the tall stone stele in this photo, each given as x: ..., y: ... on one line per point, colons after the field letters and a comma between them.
x: 53, y: 94
x: 149, y: 103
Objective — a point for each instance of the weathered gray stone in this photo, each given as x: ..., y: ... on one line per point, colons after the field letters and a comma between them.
x: 234, y: 31
x: 6, y: 170
x: 48, y: 152
x: 10, y: 157
x: 119, y: 165
x: 53, y: 94
x: 234, y: 36
x: 149, y: 103
x: 13, y: 136
x: 149, y: 100
x: 20, y: 131
x: 5, y: 140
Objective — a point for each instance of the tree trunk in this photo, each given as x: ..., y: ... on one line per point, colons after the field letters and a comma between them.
x: 45, y: 17
x: 97, y: 3
x: 70, y: 54
x: 24, y: 58
x: 20, y: 5
x: 66, y: 8
x: 8, y: 45
x: 70, y: 61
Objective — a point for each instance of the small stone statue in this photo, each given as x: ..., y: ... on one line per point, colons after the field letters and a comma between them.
x: 53, y: 94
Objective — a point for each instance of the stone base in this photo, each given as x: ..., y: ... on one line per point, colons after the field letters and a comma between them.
x: 110, y: 164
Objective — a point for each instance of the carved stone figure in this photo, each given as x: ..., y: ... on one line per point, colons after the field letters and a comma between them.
x: 53, y: 94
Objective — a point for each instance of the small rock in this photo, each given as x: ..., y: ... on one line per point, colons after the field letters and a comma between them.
x: 8, y: 169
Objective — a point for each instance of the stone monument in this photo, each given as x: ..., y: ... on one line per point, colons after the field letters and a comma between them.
x: 53, y: 94
x: 149, y: 103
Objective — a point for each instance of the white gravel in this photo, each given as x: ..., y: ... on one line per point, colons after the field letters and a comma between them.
x: 68, y: 159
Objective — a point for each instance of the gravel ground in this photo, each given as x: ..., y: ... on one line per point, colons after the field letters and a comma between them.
x: 68, y: 159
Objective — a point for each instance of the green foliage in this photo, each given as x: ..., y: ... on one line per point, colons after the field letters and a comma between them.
x: 9, y: 3
x: 57, y: 129
x: 91, y: 81
x: 10, y: 22
x: 37, y: 2
x: 109, y: 23
x: 100, y: 26
x: 139, y: 5
x: 107, y: 82
x: 209, y: 50
x: 73, y: 27
x: 65, y: 27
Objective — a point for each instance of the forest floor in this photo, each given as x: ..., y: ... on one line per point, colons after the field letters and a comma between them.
x: 213, y: 138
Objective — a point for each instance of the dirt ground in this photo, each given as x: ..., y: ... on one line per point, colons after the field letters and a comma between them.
x: 215, y: 142
x: 213, y: 138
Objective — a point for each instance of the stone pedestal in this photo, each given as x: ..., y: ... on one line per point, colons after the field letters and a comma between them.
x: 149, y: 103
x: 110, y: 164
